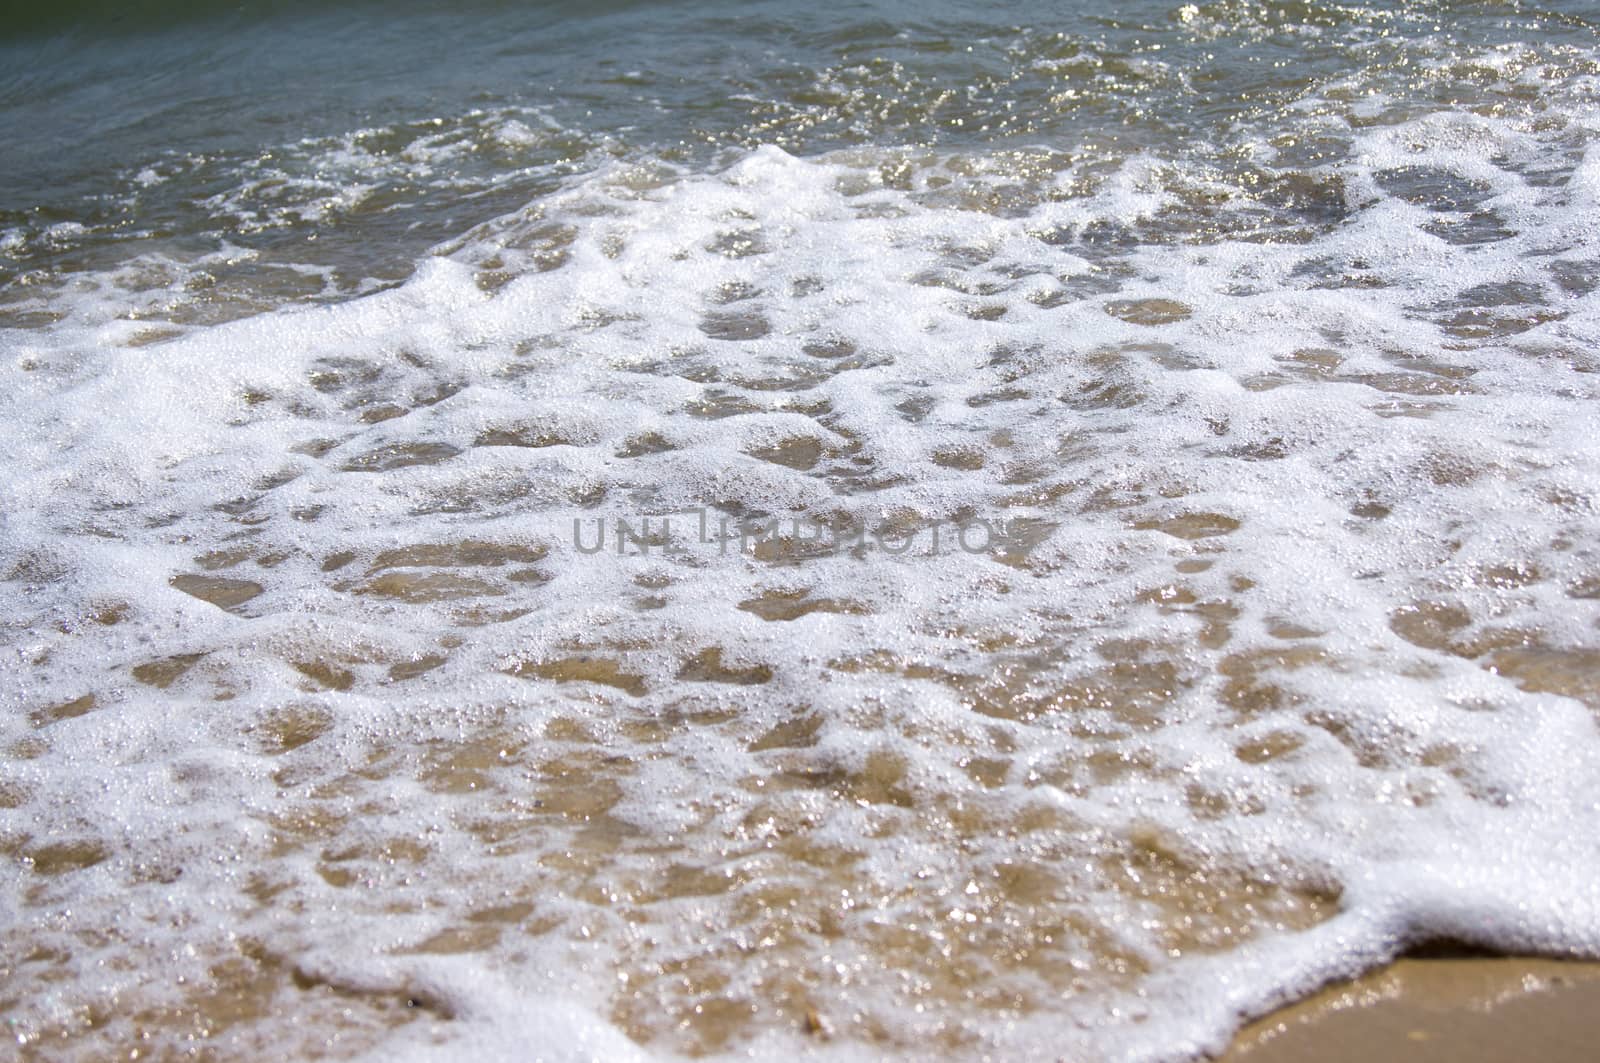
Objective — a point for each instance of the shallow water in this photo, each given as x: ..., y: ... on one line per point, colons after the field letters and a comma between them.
x: 695, y: 530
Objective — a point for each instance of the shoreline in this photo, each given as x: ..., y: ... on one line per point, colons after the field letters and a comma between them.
x: 1462, y: 1009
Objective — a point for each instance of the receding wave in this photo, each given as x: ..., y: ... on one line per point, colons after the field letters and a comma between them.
x: 1011, y: 597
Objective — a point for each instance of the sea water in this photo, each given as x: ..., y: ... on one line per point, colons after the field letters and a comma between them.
x: 630, y: 531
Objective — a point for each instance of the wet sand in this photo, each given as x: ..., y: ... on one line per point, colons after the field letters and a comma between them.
x: 1457, y: 1009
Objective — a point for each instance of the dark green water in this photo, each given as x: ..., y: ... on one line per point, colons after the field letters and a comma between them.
x: 371, y: 129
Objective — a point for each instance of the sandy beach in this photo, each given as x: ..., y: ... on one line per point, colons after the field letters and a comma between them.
x: 1480, y: 1009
